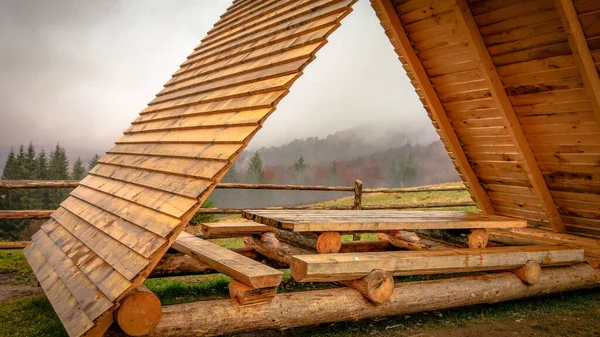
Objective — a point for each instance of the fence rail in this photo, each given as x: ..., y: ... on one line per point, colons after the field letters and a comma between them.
x: 357, y: 190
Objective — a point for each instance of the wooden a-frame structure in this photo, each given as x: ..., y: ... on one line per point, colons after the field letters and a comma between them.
x: 511, y: 86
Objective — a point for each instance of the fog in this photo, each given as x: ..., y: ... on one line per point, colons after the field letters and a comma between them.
x: 78, y: 72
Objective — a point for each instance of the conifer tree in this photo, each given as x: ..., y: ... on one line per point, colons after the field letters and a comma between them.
x: 333, y: 177
x: 93, y: 162
x: 29, y: 165
x: 231, y: 175
x: 256, y: 171
x: 43, y: 195
x: 58, y: 169
x: 78, y: 171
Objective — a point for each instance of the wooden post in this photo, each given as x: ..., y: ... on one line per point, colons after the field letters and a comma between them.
x: 322, y: 243
x: 377, y: 286
x: 296, y: 309
x: 139, y: 312
x: 358, y: 186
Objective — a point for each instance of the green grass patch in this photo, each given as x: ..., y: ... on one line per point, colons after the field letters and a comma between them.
x: 14, y: 268
x: 29, y: 317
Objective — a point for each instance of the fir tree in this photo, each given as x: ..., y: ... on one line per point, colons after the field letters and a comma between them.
x: 78, y: 171
x: 231, y: 175
x: 29, y: 165
x: 58, y: 169
x: 256, y: 171
x: 403, y: 171
x: 298, y: 174
x: 10, y: 168
x: 333, y: 177
x: 43, y: 174
x: 93, y: 162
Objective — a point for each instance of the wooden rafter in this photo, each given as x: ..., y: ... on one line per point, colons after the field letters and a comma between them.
x: 438, y: 113
x: 581, y: 51
x: 513, y: 126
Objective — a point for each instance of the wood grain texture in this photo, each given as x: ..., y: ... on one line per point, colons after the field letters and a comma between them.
x: 125, y: 214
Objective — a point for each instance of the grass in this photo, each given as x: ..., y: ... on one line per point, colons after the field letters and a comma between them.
x: 14, y: 268
x: 34, y: 316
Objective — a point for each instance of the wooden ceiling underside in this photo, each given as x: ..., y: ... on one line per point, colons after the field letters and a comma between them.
x: 512, y: 88
x: 109, y: 234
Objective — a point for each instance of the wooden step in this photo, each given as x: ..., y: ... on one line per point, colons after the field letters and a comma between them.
x: 376, y: 220
x: 217, y: 230
x: 249, y: 272
x: 350, y: 266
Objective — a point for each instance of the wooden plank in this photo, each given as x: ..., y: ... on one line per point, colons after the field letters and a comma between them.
x: 104, y: 276
x: 223, y: 229
x: 375, y: 220
x: 90, y: 298
x: 513, y: 127
x: 73, y: 318
x: 241, y: 268
x: 102, y: 244
x: 581, y: 51
x: 388, y: 16
x: 312, y: 268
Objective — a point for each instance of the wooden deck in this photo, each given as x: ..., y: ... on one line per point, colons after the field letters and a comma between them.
x: 376, y: 220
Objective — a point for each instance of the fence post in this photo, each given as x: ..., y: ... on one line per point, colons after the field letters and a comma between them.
x: 358, y: 185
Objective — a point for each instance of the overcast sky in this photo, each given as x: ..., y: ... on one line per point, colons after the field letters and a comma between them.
x: 79, y: 72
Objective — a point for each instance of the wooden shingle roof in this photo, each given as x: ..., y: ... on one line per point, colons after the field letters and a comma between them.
x: 109, y: 234
x: 511, y: 87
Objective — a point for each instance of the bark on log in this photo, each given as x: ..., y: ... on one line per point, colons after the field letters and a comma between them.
x: 410, y: 240
x: 139, y: 312
x: 29, y: 214
x: 322, y: 243
x: 284, y: 187
x: 530, y: 273
x: 366, y: 246
x: 213, y: 318
x: 268, y: 245
x: 13, y: 244
x: 377, y: 286
x: 475, y: 238
x: 29, y: 184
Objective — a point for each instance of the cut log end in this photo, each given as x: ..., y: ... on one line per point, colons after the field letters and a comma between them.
x: 246, y: 295
x: 478, y: 238
x: 378, y: 286
x: 530, y: 273
x: 329, y: 242
x: 139, y: 312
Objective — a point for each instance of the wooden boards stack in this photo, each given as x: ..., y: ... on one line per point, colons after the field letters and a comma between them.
x: 512, y: 88
x: 375, y: 220
x: 107, y: 236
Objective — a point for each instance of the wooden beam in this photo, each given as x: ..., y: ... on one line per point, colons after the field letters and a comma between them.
x: 213, y: 318
x: 322, y: 243
x: 224, y: 229
x: 340, y: 267
x: 139, y: 312
x: 13, y: 244
x: 387, y: 13
x: 241, y: 268
x: 581, y: 51
x: 513, y: 126
x: 26, y: 214
x: 376, y: 220
x: 29, y: 184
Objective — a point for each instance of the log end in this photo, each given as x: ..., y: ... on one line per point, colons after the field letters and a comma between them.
x: 379, y: 286
x: 246, y: 295
x: 329, y: 242
x: 478, y: 238
x: 530, y: 273
x: 139, y: 313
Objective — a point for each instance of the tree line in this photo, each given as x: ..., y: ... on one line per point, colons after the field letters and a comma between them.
x: 28, y: 164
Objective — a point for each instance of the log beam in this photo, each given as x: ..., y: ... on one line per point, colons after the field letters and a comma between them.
x: 411, y: 241
x: 530, y: 273
x: 139, y: 312
x: 474, y: 238
x: 511, y: 121
x: 268, y: 245
x: 322, y: 243
x: 247, y: 295
x: 377, y: 286
x: 13, y: 244
x: 25, y: 214
x: 389, y: 19
x: 581, y: 51
x: 343, y: 304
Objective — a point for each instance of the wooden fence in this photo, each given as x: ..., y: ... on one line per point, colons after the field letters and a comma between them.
x: 357, y: 190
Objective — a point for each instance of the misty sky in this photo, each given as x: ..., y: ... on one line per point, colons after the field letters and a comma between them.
x: 79, y: 72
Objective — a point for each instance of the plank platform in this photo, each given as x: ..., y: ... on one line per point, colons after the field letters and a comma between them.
x: 375, y: 220
x: 251, y: 273
x: 351, y: 266
x: 224, y: 229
